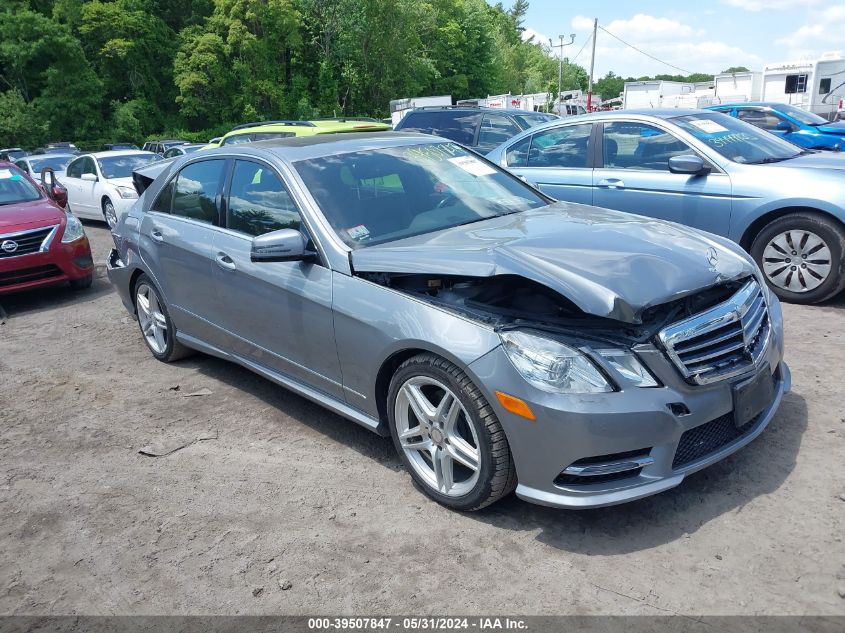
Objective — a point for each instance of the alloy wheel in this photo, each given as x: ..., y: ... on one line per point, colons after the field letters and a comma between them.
x: 110, y: 214
x: 151, y: 319
x: 797, y: 260
x: 437, y: 436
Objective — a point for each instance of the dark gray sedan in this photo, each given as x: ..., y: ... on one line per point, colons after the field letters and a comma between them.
x: 579, y: 356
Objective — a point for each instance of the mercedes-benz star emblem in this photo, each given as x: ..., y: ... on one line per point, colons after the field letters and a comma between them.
x: 712, y: 256
x: 9, y: 246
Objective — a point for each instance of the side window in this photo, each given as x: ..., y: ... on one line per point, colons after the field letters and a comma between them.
x: 795, y: 84
x: 74, y: 170
x: 561, y: 147
x: 631, y: 145
x: 22, y: 164
x: 164, y: 201
x: 258, y: 201
x: 517, y: 154
x: 496, y: 129
x: 88, y: 166
x: 195, y: 190
x: 237, y: 139
x: 171, y: 152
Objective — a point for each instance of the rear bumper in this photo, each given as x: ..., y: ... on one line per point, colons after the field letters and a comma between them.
x: 120, y: 275
x: 61, y: 263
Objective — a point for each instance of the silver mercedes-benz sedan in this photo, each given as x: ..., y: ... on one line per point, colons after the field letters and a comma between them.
x: 580, y: 356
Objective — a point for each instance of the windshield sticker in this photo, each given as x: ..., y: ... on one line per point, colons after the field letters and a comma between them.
x: 472, y: 165
x: 708, y: 127
x: 359, y: 232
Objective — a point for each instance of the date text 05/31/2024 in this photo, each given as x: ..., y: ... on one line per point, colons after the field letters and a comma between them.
x: 417, y: 623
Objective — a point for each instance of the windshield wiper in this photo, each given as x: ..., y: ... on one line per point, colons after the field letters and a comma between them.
x: 773, y: 159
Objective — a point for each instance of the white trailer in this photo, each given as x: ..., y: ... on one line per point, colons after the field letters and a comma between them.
x: 399, y: 107
x: 654, y: 93
x: 817, y: 86
x: 738, y: 87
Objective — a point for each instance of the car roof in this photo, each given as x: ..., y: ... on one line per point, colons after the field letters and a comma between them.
x: 117, y: 152
x: 308, y: 128
x: 296, y: 148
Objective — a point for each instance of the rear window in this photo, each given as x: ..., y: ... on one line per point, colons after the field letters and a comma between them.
x: 456, y: 125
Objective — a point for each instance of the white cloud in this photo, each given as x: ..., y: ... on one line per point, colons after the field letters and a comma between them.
x: 669, y: 40
x: 821, y: 34
x: 771, y: 5
x: 539, y: 38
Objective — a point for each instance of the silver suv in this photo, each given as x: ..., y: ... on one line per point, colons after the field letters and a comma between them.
x: 577, y: 355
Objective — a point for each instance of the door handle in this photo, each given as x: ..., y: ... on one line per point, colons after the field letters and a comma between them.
x: 225, y: 262
x: 611, y: 183
x: 156, y: 234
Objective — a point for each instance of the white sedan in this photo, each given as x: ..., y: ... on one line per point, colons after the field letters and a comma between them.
x: 35, y: 163
x: 99, y: 186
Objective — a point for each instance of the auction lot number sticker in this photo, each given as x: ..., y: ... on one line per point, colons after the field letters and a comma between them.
x: 417, y: 624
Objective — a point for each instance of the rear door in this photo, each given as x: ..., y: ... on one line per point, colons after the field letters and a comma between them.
x: 633, y: 176
x: 556, y: 160
x: 278, y: 314
x: 176, y: 243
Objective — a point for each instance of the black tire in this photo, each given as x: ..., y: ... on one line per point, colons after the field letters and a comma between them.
x: 497, y: 473
x: 828, y: 230
x: 173, y: 350
x: 107, y: 203
x: 82, y: 283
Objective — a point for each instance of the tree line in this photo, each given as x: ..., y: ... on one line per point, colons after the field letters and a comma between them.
x: 116, y: 70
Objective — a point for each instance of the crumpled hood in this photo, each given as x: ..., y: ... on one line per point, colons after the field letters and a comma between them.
x: 837, y: 128
x: 610, y: 264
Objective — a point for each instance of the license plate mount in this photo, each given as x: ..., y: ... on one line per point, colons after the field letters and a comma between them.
x: 752, y: 396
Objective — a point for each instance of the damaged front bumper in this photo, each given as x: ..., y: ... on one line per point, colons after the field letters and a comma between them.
x: 120, y: 276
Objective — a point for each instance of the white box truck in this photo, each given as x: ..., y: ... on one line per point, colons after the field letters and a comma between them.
x: 815, y: 85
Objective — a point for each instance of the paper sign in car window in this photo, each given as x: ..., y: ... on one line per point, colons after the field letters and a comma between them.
x: 359, y: 232
x: 472, y: 165
x: 708, y: 127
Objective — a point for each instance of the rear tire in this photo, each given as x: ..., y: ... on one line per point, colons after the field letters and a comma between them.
x: 453, y: 419
x: 801, y: 256
x: 156, y: 326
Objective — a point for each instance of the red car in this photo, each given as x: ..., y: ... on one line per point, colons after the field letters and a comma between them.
x: 40, y: 243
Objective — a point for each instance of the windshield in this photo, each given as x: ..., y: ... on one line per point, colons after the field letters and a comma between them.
x: 807, y: 118
x: 14, y: 188
x: 392, y: 193
x: 122, y: 166
x: 56, y: 162
x: 190, y: 149
x: 736, y: 140
x: 535, y: 118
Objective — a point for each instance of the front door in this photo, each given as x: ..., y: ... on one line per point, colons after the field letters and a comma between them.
x: 176, y: 241
x: 634, y: 176
x: 81, y: 193
x: 556, y: 160
x: 278, y: 314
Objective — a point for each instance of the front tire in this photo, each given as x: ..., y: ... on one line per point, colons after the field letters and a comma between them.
x: 800, y: 255
x: 109, y: 213
x: 447, y: 435
x: 155, y: 323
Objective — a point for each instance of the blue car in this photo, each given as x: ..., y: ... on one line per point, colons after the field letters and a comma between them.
x: 784, y: 205
x: 797, y: 126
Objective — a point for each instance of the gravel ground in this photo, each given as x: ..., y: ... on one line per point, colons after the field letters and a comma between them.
x: 279, y: 506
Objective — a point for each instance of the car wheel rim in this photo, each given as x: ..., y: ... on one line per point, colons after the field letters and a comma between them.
x: 798, y: 261
x: 151, y: 319
x: 111, y: 216
x: 437, y: 436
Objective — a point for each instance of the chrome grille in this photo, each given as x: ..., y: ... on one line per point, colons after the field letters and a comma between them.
x: 26, y: 242
x: 722, y: 342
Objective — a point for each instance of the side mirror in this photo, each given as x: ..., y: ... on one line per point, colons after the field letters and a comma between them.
x: 783, y: 126
x: 284, y: 245
x: 52, y: 188
x: 688, y: 164
x: 89, y: 177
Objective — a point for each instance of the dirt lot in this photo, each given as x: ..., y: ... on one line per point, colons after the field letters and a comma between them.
x: 288, y: 494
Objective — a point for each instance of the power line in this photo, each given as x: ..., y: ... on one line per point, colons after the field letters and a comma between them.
x: 683, y: 70
x: 582, y: 49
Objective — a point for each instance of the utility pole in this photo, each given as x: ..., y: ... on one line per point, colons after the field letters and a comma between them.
x: 592, y: 65
x: 560, y: 65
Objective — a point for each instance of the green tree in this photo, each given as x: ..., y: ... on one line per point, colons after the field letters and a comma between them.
x: 735, y: 69
x: 19, y: 123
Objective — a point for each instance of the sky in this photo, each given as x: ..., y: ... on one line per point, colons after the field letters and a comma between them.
x: 723, y: 33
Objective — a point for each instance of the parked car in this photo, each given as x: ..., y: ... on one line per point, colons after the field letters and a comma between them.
x: 264, y: 130
x: 581, y: 356
x: 707, y: 170
x: 57, y: 148
x: 12, y: 154
x: 100, y: 185
x: 33, y: 165
x: 41, y: 243
x: 111, y: 147
x: 160, y: 147
x: 481, y: 129
x: 795, y: 125
x: 181, y: 150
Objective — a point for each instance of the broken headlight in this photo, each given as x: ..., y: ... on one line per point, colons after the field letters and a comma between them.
x: 552, y: 366
x: 629, y: 366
